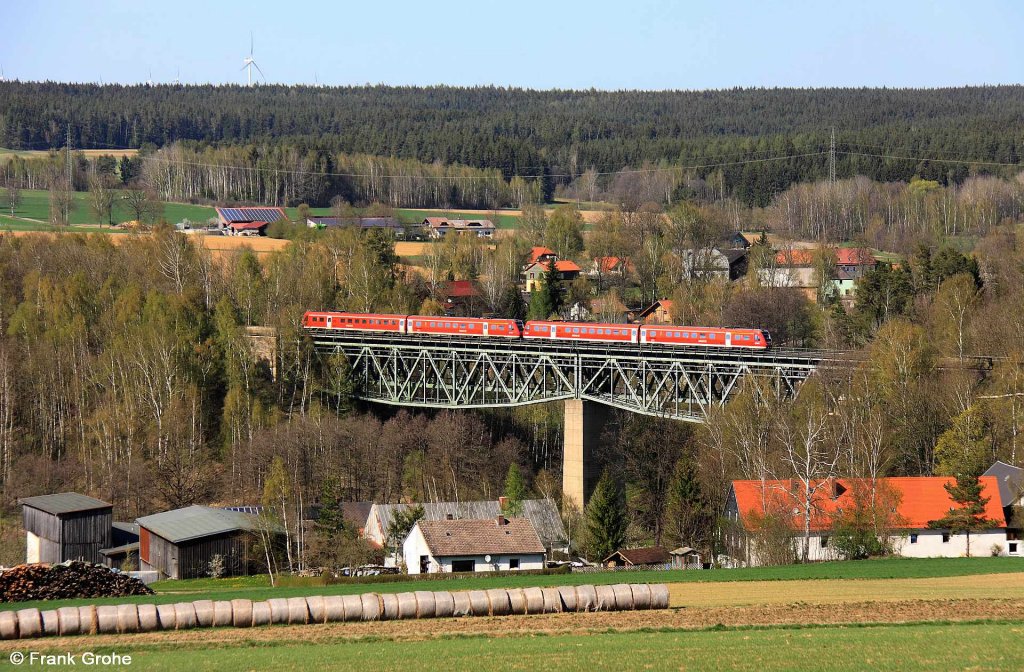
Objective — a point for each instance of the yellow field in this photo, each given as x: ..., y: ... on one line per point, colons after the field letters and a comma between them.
x: 91, y: 153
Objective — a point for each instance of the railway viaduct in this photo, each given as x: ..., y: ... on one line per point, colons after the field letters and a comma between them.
x: 684, y: 384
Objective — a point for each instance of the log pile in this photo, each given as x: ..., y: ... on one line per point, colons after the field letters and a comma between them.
x: 127, y: 618
x: 68, y: 580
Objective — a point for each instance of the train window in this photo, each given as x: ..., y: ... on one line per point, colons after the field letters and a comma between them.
x: 756, y: 337
x: 575, y: 330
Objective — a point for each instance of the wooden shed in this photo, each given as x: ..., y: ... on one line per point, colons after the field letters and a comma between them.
x: 66, y: 526
x: 180, y: 544
x: 652, y: 556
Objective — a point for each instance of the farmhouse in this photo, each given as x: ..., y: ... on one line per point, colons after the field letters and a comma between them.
x: 542, y: 514
x: 439, y: 227
x: 364, y: 223
x: 909, y: 502
x: 490, y: 545
x: 66, y: 526
x: 180, y: 544
x: 659, y: 312
x: 248, y: 221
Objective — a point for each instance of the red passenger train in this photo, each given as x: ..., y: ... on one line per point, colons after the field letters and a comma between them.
x: 471, y: 327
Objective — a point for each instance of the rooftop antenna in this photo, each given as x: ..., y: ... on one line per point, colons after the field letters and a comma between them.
x: 250, y: 62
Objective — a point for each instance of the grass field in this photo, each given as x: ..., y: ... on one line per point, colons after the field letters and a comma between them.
x: 42, y: 153
x: 924, y: 646
x: 35, y: 205
x: 258, y: 588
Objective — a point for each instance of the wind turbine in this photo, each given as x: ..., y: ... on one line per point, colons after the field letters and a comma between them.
x: 177, y: 78
x: 149, y: 82
x: 250, y: 63
x: 3, y: 78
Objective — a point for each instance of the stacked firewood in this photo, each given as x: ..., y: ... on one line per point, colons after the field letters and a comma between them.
x: 64, y: 581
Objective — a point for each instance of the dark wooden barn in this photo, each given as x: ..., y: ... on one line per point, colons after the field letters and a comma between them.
x: 66, y: 526
x: 180, y: 544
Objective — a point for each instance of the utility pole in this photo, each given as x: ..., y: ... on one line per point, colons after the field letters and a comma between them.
x: 832, y: 158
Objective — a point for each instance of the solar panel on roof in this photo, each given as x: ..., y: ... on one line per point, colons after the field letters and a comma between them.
x: 251, y: 214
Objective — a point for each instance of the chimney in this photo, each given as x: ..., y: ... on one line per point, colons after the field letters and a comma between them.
x: 449, y: 516
x: 501, y: 520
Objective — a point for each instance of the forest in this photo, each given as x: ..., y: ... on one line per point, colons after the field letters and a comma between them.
x: 751, y: 144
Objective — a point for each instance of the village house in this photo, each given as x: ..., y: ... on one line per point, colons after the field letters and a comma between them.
x: 916, y: 502
x: 439, y: 227
x: 606, y: 267
x: 490, y: 545
x: 566, y: 270
x: 540, y: 255
x: 461, y: 297
x: 248, y: 221
x: 659, y: 312
x: 542, y: 514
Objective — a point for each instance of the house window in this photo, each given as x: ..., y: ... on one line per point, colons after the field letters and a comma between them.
x: 513, y: 563
x: 945, y: 537
x: 913, y: 538
x: 463, y: 565
x: 1012, y: 548
x: 824, y: 542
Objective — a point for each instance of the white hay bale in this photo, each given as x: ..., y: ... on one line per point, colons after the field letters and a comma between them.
x: 278, y: 610
x: 51, y: 623
x: 185, y: 614
x: 389, y: 607
x: 501, y: 605
x: 461, y: 605
x: 241, y: 613
x: 371, y: 606
x: 165, y: 613
x: 106, y: 619
x: 552, y: 600
x: 586, y: 598
x: 426, y: 606
x: 444, y: 604
x: 87, y: 620
x: 568, y: 596
x: 298, y: 611
x: 659, y: 596
x: 148, y: 619
x: 204, y: 613
x: 222, y: 613
x: 534, y: 600
x: 406, y: 605
x: 261, y: 614
x: 623, y: 597
x: 353, y: 607
x: 127, y: 618
x: 315, y: 607
x: 478, y: 603
x: 334, y: 608
x: 641, y: 595
x: 8, y: 625
x: 605, y: 598
x: 69, y: 623
x: 30, y: 623
x: 516, y: 601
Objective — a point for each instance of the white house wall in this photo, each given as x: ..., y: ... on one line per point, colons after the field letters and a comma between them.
x: 31, y: 547
x: 416, y: 546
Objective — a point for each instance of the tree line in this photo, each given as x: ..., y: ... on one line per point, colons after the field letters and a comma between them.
x: 724, y: 135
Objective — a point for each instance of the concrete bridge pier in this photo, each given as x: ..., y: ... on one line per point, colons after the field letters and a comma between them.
x: 584, y: 422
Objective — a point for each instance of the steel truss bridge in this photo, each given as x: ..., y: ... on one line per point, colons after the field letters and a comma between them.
x: 684, y: 384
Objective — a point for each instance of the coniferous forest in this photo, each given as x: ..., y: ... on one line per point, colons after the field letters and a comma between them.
x: 551, y: 137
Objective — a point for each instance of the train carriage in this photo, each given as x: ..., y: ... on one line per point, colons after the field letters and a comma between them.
x: 711, y: 337
x: 464, y: 326
x: 582, y: 331
x: 355, y: 322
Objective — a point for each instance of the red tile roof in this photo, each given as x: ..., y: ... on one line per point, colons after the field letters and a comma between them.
x: 923, y: 499
x: 794, y: 257
x: 855, y: 256
x: 608, y: 264
x: 564, y: 266
x: 461, y: 288
x: 538, y: 252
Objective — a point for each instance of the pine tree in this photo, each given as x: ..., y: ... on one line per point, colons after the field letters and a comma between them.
x: 606, y: 518
x: 970, y: 516
x: 688, y: 514
x: 552, y: 288
x: 515, y: 492
x: 540, y: 304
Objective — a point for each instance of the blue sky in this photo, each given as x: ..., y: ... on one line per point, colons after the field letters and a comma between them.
x: 637, y: 44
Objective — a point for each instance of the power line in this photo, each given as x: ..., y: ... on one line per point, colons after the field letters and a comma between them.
x: 932, y: 159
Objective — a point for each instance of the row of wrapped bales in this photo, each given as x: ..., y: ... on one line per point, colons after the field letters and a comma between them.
x: 128, y: 618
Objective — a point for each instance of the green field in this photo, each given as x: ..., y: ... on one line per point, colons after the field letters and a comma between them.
x: 258, y: 587
x: 975, y: 646
x: 35, y: 205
